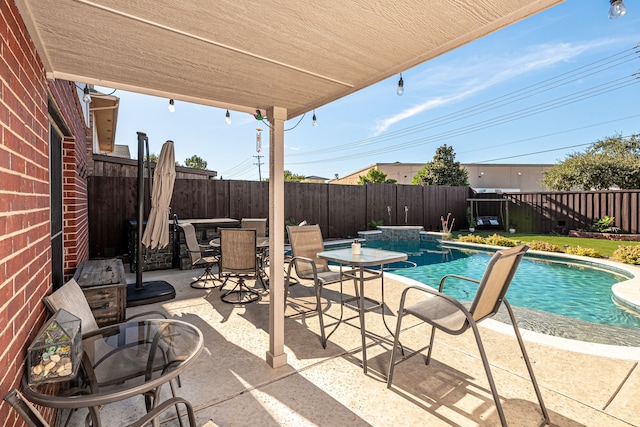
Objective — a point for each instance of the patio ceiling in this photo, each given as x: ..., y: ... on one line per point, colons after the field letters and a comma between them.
x: 247, y: 55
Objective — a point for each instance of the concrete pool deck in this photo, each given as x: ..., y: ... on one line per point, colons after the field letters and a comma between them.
x: 232, y: 385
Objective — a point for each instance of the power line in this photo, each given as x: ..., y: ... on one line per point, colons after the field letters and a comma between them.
x: 552, y: 83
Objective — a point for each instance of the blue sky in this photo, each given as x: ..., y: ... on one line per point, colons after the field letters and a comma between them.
x: 530, y: 93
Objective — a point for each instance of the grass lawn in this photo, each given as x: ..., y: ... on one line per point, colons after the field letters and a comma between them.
x: 605, y: 247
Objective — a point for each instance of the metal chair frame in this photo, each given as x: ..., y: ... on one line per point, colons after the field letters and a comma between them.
x: 449, y: 315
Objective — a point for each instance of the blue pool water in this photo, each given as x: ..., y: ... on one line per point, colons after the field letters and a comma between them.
x: 574, y: 291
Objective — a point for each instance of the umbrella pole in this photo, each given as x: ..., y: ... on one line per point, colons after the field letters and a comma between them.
x: 140, y: 293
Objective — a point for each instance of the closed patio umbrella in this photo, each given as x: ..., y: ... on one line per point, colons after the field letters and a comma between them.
x: 156, y: 233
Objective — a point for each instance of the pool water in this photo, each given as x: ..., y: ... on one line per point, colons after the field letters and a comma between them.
x: 567, y: 290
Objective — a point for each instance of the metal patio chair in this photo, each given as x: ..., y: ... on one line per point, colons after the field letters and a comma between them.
x: 200, y: 256
x: 451, y: 316
x: 239, y: 261
x: 306, y: 241
x: 33, y: 418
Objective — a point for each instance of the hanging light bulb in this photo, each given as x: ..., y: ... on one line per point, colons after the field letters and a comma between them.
x: 617, y: 9
x: 400, y: 90
x: 227, y: 118
x: 172, y: 106
x: 315, y: 121
x: 87, y: 96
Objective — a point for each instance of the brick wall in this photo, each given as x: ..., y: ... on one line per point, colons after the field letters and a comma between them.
x: 25, y: 248
x: 74, y: 179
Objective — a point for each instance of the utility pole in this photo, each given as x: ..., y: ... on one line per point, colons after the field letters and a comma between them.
x: 258, y: 149
x: 259, y: 163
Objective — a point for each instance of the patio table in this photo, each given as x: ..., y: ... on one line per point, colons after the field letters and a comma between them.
x: 122, y: 361
x: 367, y: 257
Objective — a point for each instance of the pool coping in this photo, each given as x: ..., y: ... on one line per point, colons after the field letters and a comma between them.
x: 627, y: 292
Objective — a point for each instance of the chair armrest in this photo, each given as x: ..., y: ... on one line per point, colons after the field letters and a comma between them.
x: 457, y: 277
x: 434, y: 293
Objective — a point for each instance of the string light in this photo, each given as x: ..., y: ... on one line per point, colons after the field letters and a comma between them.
x: 315, y: 121
x: 87, y: 96
x: 227, y: 118
x: 172, y: 106
x: 400, y: 90
x: 617, y: 9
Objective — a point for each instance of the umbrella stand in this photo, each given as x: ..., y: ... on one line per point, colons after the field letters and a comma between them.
x: 141, y: 293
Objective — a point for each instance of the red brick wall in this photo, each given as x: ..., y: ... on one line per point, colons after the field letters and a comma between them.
x: 74, y: 180
x: 25, y: 249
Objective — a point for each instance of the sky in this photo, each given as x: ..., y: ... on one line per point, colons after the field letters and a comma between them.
x: 531, y: 93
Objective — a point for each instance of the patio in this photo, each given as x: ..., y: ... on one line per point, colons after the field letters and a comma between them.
x: 232, y: 384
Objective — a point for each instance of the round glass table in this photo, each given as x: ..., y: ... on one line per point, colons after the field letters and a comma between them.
x: 121, y: 361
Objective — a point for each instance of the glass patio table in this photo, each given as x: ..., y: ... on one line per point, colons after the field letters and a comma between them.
x: 368, y: 257
x: 121, y: 361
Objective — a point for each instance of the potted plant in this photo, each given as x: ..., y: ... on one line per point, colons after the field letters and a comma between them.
x: 471, y: 220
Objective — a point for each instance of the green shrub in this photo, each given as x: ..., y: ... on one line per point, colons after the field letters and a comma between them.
x: 498, y: 240
x: 605, y: 225
x: 584, y: 252
x: 472, y: 238
x: 538, y: 245
x: 628, y: 254
x: 373, y: 224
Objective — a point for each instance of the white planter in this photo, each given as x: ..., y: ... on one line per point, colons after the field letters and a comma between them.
x: 471, y: 229
x: 512, y: 230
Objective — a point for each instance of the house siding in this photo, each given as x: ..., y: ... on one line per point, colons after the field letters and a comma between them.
x: 25, y: 242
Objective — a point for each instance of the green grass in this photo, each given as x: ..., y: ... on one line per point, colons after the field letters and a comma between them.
x: 605, y: 247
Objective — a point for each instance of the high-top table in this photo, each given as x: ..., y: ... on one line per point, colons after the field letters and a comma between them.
x: 122, y: 361
x: 367, y: 257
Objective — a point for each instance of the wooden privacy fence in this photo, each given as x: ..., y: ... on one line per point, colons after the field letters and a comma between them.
x: 340, y: 210
x: 560, y: 212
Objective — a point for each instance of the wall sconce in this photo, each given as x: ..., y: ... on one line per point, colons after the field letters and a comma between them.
x: 87, y: 96
x: 227, y: 118
x: 617, y: 9
x: 400, y: 90
x: 172, y: 106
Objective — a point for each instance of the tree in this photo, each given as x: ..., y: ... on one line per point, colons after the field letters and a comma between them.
x: 442, y: 170
x: 195, y: 162
x: 375, y: 176
x: 290, y: 176
x: 153, y: 158
x: 607, y: 163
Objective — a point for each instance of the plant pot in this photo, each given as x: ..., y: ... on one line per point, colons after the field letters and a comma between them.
x: 512, y: 230
x: 471, y: 229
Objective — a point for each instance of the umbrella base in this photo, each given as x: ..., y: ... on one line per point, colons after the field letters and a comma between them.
x: 149, y: 293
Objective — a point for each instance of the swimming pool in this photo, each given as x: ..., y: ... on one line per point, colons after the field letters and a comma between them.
x: 568, y: 300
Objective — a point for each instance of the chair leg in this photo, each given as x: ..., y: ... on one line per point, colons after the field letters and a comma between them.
x: 396, y: 341
x: 487, y: 369
x: 318, y: 289
x: 431, y: 341
x: 205, y: 277
x: 545, y: 414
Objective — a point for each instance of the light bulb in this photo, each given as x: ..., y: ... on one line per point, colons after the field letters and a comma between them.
x: 400, y: 90
x: 172, y: 106
x: 617, y: 9
x: 227, y: 118
x: 315, y: 121
x: 87, y: 96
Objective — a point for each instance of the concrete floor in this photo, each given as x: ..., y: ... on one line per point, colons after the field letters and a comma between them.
x: 232, y: 385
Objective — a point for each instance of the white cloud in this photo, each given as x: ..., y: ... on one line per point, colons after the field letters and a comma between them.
x: 461, y: 81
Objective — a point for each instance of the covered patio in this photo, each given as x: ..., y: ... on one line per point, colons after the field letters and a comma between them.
x: 261, y: 58
x: 232, y: 385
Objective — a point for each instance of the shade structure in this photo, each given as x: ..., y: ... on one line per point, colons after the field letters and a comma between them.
x: 156, y: 233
